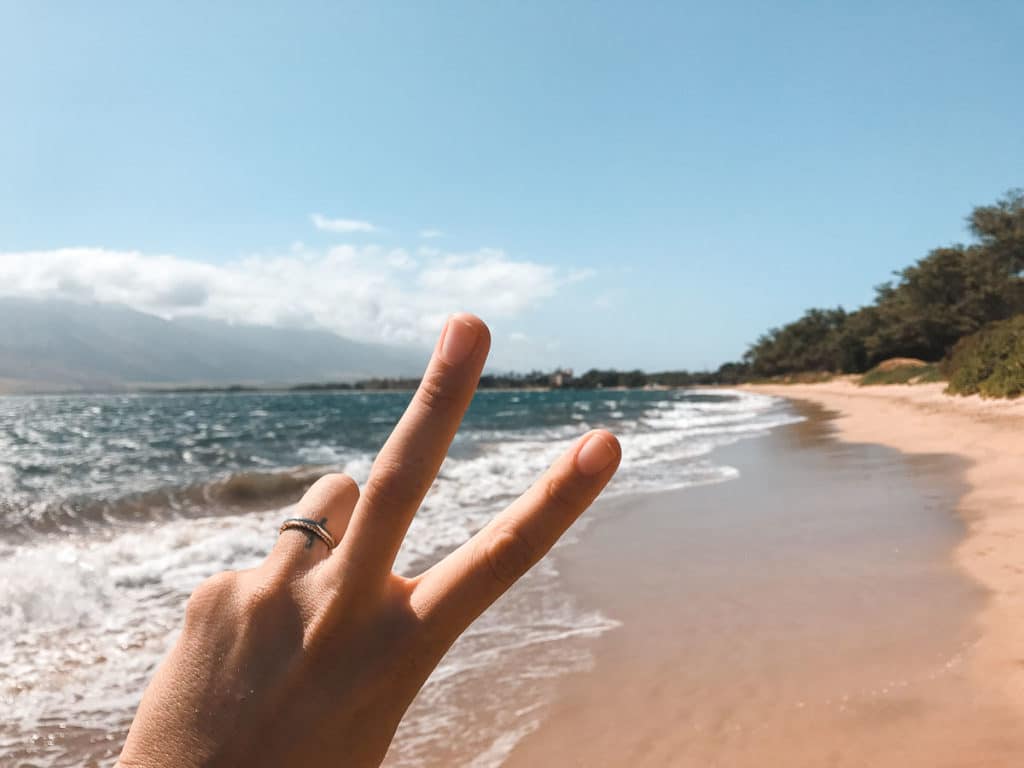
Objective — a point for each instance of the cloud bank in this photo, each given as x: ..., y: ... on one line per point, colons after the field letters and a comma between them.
x: 369, y: 293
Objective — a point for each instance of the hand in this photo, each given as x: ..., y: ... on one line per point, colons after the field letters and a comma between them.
x: 312, y: 658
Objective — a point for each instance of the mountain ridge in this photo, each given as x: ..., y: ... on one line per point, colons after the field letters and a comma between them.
x: 50, y: 345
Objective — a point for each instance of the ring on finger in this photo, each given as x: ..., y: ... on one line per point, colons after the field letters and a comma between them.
x: 309, y: 526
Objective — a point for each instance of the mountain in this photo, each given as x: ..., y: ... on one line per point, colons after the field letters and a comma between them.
x: 48, y: 345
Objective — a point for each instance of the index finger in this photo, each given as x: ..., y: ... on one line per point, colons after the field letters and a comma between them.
x: 450, y: 596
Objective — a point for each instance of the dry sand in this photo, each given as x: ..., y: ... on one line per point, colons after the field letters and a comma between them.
x: 989, y: 434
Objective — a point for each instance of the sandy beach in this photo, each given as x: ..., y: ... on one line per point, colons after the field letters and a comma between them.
x: 854, y: 599
x: 989, y: 434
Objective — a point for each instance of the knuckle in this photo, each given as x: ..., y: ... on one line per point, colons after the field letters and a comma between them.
x: 263, y: 600
x: 434, y: 395
x: 329, y: 490
x: 336, y: 484
x: 389, y: 488
x: 272, y: 577
x: 211, y: 597
x: 508, y: 555
x: 259, y: 595
x: 558, y: 496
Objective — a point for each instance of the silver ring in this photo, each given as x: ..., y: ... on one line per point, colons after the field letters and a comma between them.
x: 310, y: 526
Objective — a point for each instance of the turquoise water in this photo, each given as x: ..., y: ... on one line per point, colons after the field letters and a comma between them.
x: 113, y: 508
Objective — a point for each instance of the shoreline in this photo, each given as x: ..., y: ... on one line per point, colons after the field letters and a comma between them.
x: 859, y: 651
x: 989, y: 435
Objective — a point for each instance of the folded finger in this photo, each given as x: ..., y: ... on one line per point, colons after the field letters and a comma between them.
x: 329, y: 502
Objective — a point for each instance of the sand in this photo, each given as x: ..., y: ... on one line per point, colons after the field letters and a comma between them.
x: 989, y: 434
x: 851, y: 602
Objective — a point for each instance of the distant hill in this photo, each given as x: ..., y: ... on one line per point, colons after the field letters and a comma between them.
x: 48, y: 345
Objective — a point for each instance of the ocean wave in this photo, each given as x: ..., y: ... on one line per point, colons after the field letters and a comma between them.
x: 232, y: 494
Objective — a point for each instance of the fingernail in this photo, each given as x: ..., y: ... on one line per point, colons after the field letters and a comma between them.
x: 594, y: 456
x: 459, y: 340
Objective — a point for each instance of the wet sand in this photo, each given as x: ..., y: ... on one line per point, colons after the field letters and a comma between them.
x: 989, y: 436
x: 807, y: 614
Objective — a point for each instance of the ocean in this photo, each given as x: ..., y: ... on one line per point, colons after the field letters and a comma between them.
x: 114, y: 507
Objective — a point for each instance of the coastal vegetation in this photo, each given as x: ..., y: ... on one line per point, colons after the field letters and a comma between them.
x: 902, y: 370
x: 990, y: 362
x: 961, y: 305
x: 731, y: 373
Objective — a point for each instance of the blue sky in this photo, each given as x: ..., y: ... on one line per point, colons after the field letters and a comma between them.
x: 627, y: 184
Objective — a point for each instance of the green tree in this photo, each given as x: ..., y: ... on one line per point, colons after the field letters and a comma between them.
x: 949, y: 294
x: 811, y: 343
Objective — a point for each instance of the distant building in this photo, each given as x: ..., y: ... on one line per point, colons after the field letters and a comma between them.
x: 560, y: 377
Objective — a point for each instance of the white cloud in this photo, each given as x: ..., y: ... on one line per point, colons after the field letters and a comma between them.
x: 508, y: 286
x: 343, y: 226
x: 430, y: 234
x: 518, y: 337
x: 364, y: 292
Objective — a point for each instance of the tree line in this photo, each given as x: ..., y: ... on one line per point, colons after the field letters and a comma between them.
x: 953, y: 292
x: 595, y: 378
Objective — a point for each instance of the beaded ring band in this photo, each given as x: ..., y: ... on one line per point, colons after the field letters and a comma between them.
x: 310, y: 526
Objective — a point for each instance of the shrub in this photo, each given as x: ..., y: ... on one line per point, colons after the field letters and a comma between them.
x: 902, y: 371
x: 989, y: 362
